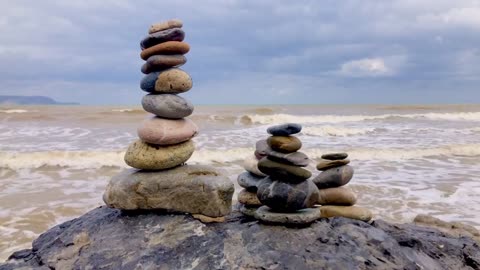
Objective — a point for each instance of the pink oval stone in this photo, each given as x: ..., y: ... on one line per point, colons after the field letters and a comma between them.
x: 162, y: 131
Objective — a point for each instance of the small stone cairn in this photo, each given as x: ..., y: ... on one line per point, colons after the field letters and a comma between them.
x: 334, y: 197
x: 281, y: 184
x: 161, y: 179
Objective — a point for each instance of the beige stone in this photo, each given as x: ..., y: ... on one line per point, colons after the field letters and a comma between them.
x: 173, y: 80
x: 248, y: 198
x: 142, y: 155
x: 326, y: 164
x: 173, y: 23
x: 250, y: 164
x: 161, y: 131
x: 207, y: 219
x: 352, y: 212
x: 336, y: 196
x: 193, y: 189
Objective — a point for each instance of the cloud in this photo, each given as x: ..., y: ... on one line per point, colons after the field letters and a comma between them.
x: 246, y: 51
x: 365, y: 67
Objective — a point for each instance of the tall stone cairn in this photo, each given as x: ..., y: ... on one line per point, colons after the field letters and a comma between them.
x: 161, y: 179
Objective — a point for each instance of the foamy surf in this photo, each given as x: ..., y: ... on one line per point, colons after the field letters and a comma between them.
x: 14, y: 111
x: 336, y: 131
x: 99, y: 159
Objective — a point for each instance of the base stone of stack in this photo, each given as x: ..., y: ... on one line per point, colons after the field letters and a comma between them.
x: 191, y: 189
x: 352, y: 212
x: 300, y: 217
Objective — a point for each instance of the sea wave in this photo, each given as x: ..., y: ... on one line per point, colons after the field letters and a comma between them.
x: 285, y: 118
x: 98, y: 159
x: 126, y: 111
x: 336, y: 131
x: 14, y: 111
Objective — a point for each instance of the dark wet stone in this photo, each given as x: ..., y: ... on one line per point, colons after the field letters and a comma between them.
x: 295, y: 158
x: 249, y: 181
x: 173, y: 34
x: 284, y: 172
x: 285, y: 129
x: 287, y: 197
x: 148, y: 82
x: 162, y: 62
x: 326, y: 164
x: 335, y: 156
x: 334, y: 177
x: 167, y: 106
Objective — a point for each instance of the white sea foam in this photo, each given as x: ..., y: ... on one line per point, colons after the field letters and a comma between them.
x: 14, y: 111
x: 285, y: 118
x: 98, y: 159
x: 336, y: 131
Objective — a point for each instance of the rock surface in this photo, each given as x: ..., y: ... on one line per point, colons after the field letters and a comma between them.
x: 192, y: 189
x: 166, y: 48
x: 145, y: 156
x: 161, y: 131
x: 167, y: 105
x: 107, y: 238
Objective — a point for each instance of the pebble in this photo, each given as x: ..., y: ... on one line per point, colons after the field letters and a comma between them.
x: 248, y: 198
x: 250, y: 164
x: 335, y: 156
x: 162, y: 62
x: 161, y: 131
x: 173, y: 23
x: 262, y: 149
x: 285, y: 129
x: 326, y: 164
x: 249, y: 181
x: 287, y: 197
x: 336, y: 196
x: 334, y: 177
x: 194, y: 189
x: 142, y: 155
x: 207, y: 219
x: 295, y: 158
x: 170, y: 81
x: 300, y: 217
x: 166, y: 48
x: 167, y: 105
x: 173, y: 34
x: 284, y: 172
x: 352, y: 212
x: 284, y: 144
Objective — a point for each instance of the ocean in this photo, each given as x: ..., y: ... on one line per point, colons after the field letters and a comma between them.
x: 56, y: 160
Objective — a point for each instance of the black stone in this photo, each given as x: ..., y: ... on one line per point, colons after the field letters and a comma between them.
x: 285, y: 129
x: 173, y: 34
x: 249, y: 181
x: 335, y: 156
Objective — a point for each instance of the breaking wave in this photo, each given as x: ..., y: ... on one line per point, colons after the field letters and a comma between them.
x: 98, y: 159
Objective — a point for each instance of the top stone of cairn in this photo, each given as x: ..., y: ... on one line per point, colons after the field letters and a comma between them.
x: 173, y: 23
x: 285, y: 129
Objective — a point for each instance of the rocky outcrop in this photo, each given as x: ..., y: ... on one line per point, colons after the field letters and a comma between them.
x: 108, y: 238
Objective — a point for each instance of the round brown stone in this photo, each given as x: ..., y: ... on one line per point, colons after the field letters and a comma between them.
x: 169, y: 47
x: 352, y: 212
x: 162, y: 62
x: 334, y: 177
x: 173, y: 23
x: 248, y: 198
x: 284, y: 172
x: 336, y: 196
x: 284, y: 144
x: 326, y: 164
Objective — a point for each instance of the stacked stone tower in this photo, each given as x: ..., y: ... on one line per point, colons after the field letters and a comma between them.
x: 162, y: 180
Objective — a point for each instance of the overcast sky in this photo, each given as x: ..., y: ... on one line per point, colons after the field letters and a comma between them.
x: 248, y: 51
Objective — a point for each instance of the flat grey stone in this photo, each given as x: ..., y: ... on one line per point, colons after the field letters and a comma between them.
x: 300, y: 217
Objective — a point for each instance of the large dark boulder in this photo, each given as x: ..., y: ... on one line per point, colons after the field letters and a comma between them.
x: 110, y: 239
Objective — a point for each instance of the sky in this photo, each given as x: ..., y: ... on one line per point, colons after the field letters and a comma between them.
x: 248, y: 51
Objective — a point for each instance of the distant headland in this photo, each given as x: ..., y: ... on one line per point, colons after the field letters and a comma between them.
x: 31, y: 100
